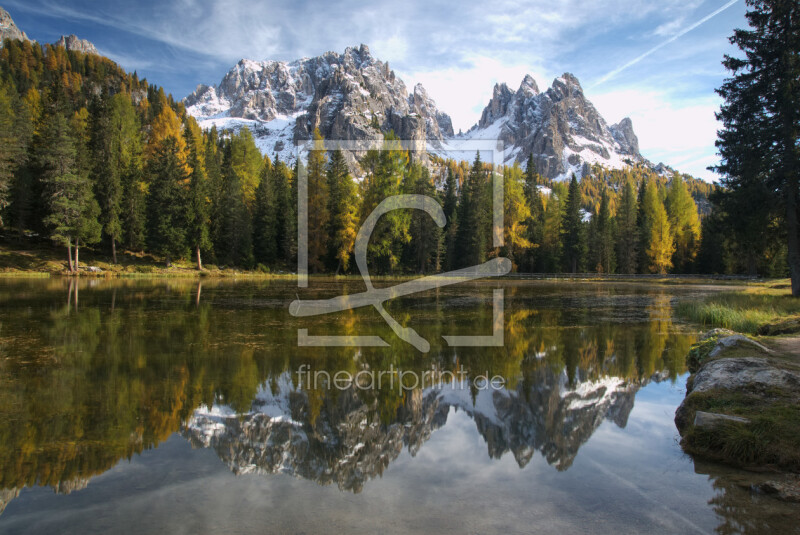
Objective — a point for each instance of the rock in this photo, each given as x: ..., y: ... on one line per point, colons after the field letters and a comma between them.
x: 9, y: 30
x: 94, y: 269
x: 716, y: 333
x: 736, y: 340
x: 787, y: 326
x: 72, y: 42
x: 350, y: 97
x: 712, y: 419
x: 745, y: 373
x: 560, y: 128
x: 786, y: 489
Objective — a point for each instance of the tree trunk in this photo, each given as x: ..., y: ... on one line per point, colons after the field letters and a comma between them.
x: 167, y: 261
x: 77, y: 264
x: 792, y: 236
x: 199, y: 260
x: 69, y: 256
x: 114, y: 251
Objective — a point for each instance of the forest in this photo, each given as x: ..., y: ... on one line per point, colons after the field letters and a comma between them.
x: 92, y: 156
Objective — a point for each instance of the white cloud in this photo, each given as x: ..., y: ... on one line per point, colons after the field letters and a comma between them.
x: 679, y: 132
x: 464, y: 92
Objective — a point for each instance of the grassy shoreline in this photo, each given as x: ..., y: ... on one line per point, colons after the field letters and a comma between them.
x: 759, y: 309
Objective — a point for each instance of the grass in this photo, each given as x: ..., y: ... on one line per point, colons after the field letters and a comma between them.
x: 743, y: 311
x: 771, y: 438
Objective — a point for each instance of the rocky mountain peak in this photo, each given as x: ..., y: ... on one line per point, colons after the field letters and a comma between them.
x: 623, y: 133
x: 9, y: 30
x: 72, y: 42
x: 348, y: 96
x: 561, y: 128
x: 498, y: 106
x: 528, y: 86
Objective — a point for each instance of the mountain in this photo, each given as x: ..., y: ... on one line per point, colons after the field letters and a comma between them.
x: 346, y: 443
x: 72, y: 42
x: 9, y: 30
x: 353, y: 96
x: 560, y: 127
x: 350, y: 96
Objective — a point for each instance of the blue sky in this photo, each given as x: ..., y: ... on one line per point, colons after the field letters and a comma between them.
x: 646, y: 59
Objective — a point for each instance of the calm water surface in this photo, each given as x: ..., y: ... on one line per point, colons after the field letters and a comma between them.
x: 185, y: 407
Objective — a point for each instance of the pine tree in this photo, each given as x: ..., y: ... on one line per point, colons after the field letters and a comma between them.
x: 166, y: 207
x: 385, y: 174
x: 72, y: 208
x: 661, y: 246
x: 317, y: 206
x: 197, y: 205
x: 236, y: 229
x: 265, y: 215
x: 603, y: 235
x: 10, y: 148
x: 474, y: 217
x: 627, y: 242
x: 684, y: 222
x: 115, y: 144
x: 573, y: 231
x: 759, y: 139
x: 517, y: 214
x: 343, y: 212
x: 426, y: 236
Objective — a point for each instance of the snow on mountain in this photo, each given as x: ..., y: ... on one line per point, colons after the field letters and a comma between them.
x: 353, y: 96
x: 350, y: 96
x: 560, y: 127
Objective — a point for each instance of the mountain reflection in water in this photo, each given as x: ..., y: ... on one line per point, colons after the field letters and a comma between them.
x: 94, y: 372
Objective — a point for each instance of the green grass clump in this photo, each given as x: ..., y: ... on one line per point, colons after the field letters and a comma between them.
x: 771, y: 438
x: 743, y: 311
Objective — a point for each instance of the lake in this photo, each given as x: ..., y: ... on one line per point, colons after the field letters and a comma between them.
x: 178, y: 406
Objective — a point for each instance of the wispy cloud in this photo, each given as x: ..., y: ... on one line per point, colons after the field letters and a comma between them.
x: 663, y: 44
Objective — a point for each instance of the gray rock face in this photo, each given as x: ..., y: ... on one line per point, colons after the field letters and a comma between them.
x: 9, y: 30
x: 72, y: 42
x: 736, y: 340
x: 712, y: 419
x: 560, y: 127
x: 742, y: 373
x: 350, y: 96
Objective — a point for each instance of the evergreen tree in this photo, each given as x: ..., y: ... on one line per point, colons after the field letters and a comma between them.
x: 603, y: 234
x: 684, y: 222
x: 426, y: 236
x: 343, y: 213
x: 385, y: 174
x: 10, y: 148
x: 236, y: 230
x: 661, y: 247
x: 627, y: 231
x: 517, y: 214
x: 265, y: 215
x: 760, y: 138
x: 317, y: 206
x: 573, y: 231
x: 474, y: 217
x: 166, y: 207
x: 115, y: 146
x: 197, y: 206
x: 72, y: 208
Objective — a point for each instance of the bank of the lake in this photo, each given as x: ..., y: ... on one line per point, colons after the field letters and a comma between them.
x: 742, y: 405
